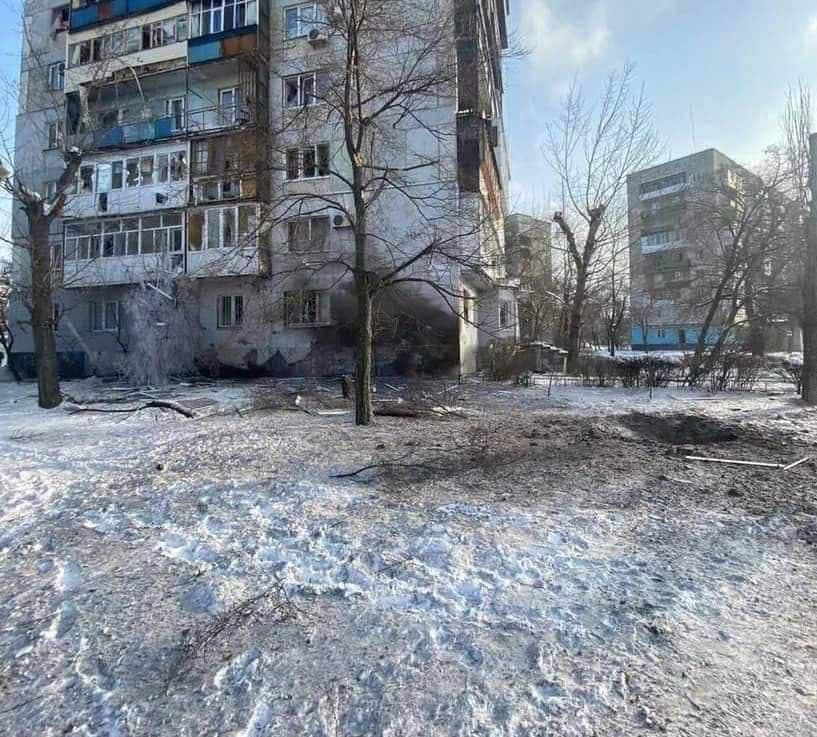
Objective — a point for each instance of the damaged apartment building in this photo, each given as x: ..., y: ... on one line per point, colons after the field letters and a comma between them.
x: 197, y: 188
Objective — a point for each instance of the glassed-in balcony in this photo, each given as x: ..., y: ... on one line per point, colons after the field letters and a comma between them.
x: 85, y: 13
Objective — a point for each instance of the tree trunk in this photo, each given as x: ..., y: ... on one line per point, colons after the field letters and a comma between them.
x: 575, y: 324
x: 809, y: 392
x: 363, y: 375
x: 757, y: 327
x: 45, y: 344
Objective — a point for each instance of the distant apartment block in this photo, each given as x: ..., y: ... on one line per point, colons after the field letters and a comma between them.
x: 667, y: 264
x: 183, y: 110
x: 529, y: 259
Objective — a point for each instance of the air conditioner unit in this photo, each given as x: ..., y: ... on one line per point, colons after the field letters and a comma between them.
x: 317, y: 37
x: 341, y: 221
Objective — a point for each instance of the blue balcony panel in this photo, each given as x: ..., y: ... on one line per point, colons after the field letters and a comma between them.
x: 143, y: 131
x: 202, y: 52
x: 108, y: 10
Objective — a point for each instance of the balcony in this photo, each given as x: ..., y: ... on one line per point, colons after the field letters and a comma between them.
x: 85, y: 14
x: 223, y: 45
x: 166, y: 127
x: 140, y: 132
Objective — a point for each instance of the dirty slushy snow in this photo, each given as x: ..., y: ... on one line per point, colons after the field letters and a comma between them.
x: 165, y: 576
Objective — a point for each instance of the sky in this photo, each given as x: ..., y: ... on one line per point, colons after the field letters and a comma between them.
x: 716, y: 72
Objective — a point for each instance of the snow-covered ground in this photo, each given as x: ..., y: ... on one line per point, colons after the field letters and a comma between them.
x: 531, y: 566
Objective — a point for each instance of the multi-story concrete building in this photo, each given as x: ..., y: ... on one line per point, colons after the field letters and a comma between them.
x: 184, y: 113
x: 529, y: 258
x: 669, y: 259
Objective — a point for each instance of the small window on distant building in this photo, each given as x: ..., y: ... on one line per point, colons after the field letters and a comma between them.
x: 505, y: 313
x: 230, y: 311
x: 55, y: 134
x: 59, y: 18
x: 56, y: 76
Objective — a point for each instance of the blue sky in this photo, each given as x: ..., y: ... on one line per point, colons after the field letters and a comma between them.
x: 723, y: 64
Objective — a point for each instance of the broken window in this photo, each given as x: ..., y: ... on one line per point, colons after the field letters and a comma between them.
x: 228, y: 227
x: 301, y: 90
x: 86, y: 179
x: 305, y: 308
x: 308, y: 162
x: 293, y: 163
x: 505, y: 313
x: 195, y: 225
x: 56, y: 76
x: 55, y: 134
x: 132, y: 168
x: 116, y: 175
x: 177, y: 165
x: 147, y: 170
x: 246, y: 225
x: 301, y: 19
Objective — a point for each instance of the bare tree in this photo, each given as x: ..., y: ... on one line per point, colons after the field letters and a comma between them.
x: 390, y: 71
x: 738, y: 218
x: 592, y: 149
x: 39, y: 273
x: 614, y: 304
x: 801, y: 151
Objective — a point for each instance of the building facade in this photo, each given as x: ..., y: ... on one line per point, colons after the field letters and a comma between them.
x: 669, y: 259
x: 196, y: 167
x: 529, y: 258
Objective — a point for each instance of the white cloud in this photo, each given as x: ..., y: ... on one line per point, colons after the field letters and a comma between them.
x: 562, y: 39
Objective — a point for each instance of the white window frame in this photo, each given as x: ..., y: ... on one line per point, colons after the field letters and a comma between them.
x: 234, y: 311
x: 241, y: 238
x: 301, y: 99
x: 56, y: 133
x: 177, y: 117
x: 56, y: 76
x: 170, y: 236
x: 208, y: 16
x: 302, y: 26
x: 112, y: 45
x: 323, y: 308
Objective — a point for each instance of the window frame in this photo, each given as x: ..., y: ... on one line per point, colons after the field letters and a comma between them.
x: 56, y: 141
x: 208, y: 17
x: 301, y: 99
x: 322, y: 308
x: 126, y: 41
x: 505, y: 315
x: 302, y: 27
x: 58, y: 69
x: 308, y: 221
x: 315, y: 150
x: 234, y: 312
x: 99, y: 313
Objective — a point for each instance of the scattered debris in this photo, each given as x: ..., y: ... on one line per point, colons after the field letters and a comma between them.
x: 796, y: 463
x: 154, y: 403
x: 735, y: 462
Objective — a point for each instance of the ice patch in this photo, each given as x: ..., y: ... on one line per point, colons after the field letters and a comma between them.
x: 186, y: 549
x: 259, y: 721
x: 69, y: 578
